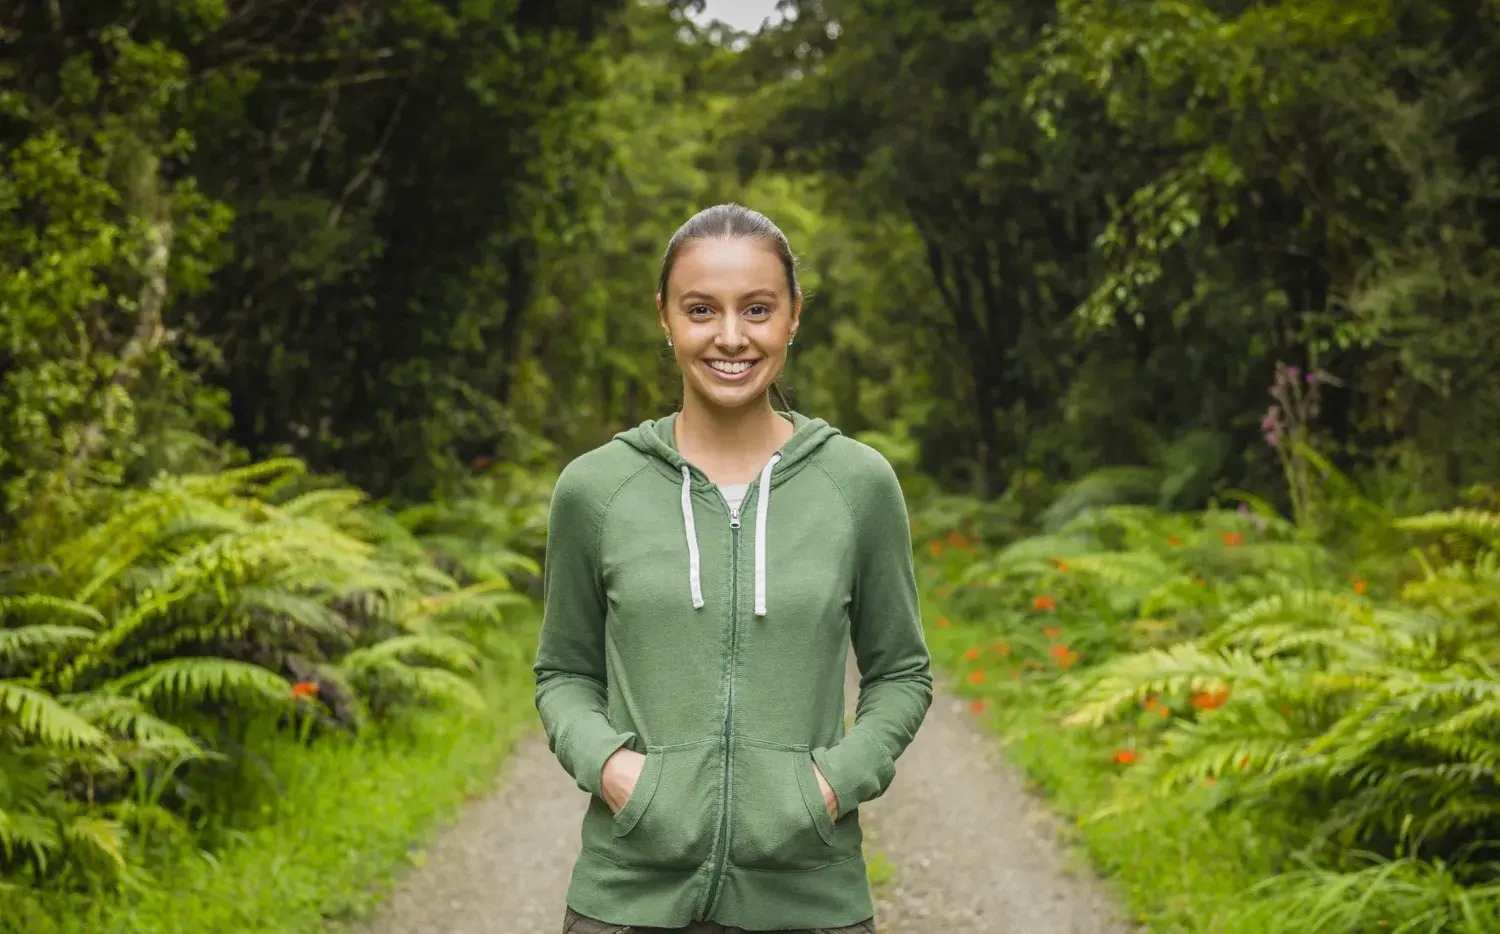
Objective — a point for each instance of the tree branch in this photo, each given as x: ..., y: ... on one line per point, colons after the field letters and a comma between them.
x: 364, y: 172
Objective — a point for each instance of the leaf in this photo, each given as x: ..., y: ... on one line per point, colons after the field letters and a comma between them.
x: 197, y: 680
x: 40, y: 716
x: 29, y: 639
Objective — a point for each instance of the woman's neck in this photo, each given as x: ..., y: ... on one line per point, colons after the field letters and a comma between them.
x: 729, y: 445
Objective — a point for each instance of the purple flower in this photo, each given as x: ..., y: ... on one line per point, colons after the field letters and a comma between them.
x: 1312, y: 377
x: 1244, y: 510
x: 1293, y: 371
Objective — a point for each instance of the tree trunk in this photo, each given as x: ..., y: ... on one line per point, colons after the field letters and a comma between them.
x: 148, y: 337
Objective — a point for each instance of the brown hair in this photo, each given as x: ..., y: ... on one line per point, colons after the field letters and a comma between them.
x: 733, y: 222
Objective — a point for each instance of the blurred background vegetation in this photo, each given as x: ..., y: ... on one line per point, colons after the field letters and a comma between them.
x: 302, y: 305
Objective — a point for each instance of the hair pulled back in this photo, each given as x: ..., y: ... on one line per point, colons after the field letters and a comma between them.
x: 733, y: 222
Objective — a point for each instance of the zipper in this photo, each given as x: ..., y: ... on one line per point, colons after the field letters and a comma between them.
x: 734, y: 616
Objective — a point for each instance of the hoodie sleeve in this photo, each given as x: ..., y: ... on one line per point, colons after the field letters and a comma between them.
x: 895, y: 685
x: 570, y: 673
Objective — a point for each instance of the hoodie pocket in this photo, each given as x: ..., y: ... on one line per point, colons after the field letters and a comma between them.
x: 668, y: 820
x: 778, y: 820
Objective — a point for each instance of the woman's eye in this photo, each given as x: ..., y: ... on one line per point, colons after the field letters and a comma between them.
x: 758, y: 311
x: 700, y: 310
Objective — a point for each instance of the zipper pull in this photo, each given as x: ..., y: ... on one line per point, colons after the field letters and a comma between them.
x: 734, y: 517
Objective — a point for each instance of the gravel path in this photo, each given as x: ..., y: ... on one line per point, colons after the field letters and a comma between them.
x: 972, y: 852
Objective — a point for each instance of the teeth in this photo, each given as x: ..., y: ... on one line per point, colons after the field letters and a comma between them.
x: 725, y: 367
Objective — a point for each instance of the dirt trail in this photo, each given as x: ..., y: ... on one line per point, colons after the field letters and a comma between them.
x: 973, y: 853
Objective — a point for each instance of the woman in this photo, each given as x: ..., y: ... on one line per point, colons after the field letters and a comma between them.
x: 705, y: 576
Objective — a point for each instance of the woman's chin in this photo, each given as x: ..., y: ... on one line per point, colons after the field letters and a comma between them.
x: 733, y: 396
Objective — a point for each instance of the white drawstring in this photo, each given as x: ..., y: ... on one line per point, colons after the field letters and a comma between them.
x: 694, y: 578
x: 762, y: 511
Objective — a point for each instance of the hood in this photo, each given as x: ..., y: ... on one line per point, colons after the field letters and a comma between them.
x: 656, y: 439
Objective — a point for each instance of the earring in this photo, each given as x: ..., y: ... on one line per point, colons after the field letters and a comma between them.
x: 669, y: 342
x: 790, y: 339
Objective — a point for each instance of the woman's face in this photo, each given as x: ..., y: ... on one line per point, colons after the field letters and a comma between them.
x: 729, y: 314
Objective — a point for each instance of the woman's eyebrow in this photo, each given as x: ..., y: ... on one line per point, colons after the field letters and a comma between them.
x: 701, y: 296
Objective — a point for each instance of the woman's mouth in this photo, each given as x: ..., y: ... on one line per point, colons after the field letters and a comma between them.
x: 731, y: 370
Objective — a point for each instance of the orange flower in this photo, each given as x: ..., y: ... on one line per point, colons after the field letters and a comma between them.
x: 1204, y: 700
x: 1244, y: 762
x: 934, y: 548
x: 1052, y: 632
x: 1173, y: 540
x: 972, y: 654
x: 943, y: 591
x: 976, y: 676
x: 1002, y: 648
x: 1151, y: 704
x: 957, y: 541
x: 1209, y: 780
x: 1359, y: 587
x: 979, y: 706
x: 1125, y: 756
x: 304, y: 689
x: 1058, y: 650
x: 1165, y: 711
x: 1233, y: 539
x: 943, y: 622
x: 1043, y: 603
x: 1059, y: 563
x: 1067, y: 660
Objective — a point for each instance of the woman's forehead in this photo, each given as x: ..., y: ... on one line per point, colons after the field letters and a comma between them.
x: 727, y: 266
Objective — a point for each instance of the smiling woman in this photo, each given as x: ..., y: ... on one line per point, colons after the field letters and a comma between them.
x: 691, y: 680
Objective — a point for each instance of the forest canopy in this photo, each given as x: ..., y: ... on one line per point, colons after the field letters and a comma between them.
x: 401, y: 237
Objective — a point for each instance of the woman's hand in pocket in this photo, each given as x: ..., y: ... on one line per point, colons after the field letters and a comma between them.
x: 830, y: 800
x: 621, y: 772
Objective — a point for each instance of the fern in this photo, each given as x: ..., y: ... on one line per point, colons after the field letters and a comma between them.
x: 386, y: 663
x: 28, y: 835
x: 19, y: 644
x: 40, y: 606
x: 1120, y: 683
x: 40, y: 717
x: 125, y: 718
x: 1477, y: 524
x: 433, y: 684
x: 96, y: 837
x: 197, y: 680
x: 330, y: 506
x: 443, y: 650
x: 199, y: 596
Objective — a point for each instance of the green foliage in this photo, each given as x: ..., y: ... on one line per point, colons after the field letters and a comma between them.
x: 1132, y: 214
x: 138, y: 656
x: 346, y: 821
x: 1338, y: 706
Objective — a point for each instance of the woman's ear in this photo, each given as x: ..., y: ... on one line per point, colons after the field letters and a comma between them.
x: 796, y: 316
x: 661, y: 317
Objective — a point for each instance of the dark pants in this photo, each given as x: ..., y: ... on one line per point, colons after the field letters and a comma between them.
x: 575, y: 923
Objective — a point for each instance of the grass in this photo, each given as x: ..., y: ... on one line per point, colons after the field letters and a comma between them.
x: 354, y: 813
x: 880, y: 870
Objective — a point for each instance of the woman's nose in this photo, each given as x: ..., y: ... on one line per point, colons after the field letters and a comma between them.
x: 731, y: 336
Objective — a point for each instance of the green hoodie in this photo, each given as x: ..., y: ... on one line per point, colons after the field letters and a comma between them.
x: 715, y: 644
